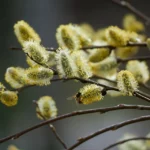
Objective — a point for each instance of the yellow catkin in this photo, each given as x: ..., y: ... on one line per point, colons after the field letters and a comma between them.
x: 9, y: 98
x: 131, y: 145
x: 88, y: 94
x: 126, y: 83
x: 37, y: 52
x: 83, y: 69
x: 12, y: 147
x: 2, y: 88
x: 125, y: 52
x: 100, y: 34
x: 106, y: 67
x: 24, y: 32
x: 31, y: 63
x: 139, y: 70
x: 65, y: 64
x: 16, y: 77
x: 46, y: 108
x: 39, y: 76
x: 67, y: 37
x: 130, y: 23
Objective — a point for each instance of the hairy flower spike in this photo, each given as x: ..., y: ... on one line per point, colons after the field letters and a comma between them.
x: 24, y: 32
x: 16, y: 77
x: 36, y: 52
x: 12, y: 147
x: 106, y: 67
x: 118, y: 37
x: 9, y: 98
x: 130, y: 23
x: 39, y: 76
x: 2, y: 88
x: 126, y: 83
x: 83, y: 69
x: 88, y: 94
x: 139, y: 70
x: 46, y: 108
x: 65, y: 64
x: 67, y: 37
x: 125, y: 52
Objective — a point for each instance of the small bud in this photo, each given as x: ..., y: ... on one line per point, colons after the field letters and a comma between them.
x: 9, y: 98
x: 130, y: 23
x: 12, y: 147
x: 126, y: 83
x: 83, y: 69
x: 148, y: 43
x: 139, y: 70
x: 125, y: 52
x: 67, y: 37
x: 88, y: 94
x: 106, y: 67
x: 39, y: 76
x: 24, y: 32
x: 65, y: 64
x: 36, y: 52
x: 16, y: 77
x: 46, y: 107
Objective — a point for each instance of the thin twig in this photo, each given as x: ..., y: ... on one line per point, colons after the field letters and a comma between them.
x: 109, y: 128
x: 19, y: 48
x: 119, y: 60
x: 53, y: 129
x: 127, y: 5
x: 124, y: 141
x: 75, y: 113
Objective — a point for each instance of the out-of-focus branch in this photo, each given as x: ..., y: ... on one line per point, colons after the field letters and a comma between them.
x: 124, y: 141
x: 127, y: 5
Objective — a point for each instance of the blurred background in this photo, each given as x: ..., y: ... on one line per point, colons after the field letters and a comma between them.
x: 45, y: 16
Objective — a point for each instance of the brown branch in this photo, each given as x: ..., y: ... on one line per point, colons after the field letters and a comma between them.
x: 19, y: 48
x: 52, y: 128
x: 119, y: 60
x: 109, y: 128
x: 75, y: 113
x: 124, y: 141
x: 127, y: 5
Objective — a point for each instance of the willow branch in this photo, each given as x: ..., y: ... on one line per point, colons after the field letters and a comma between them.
x: 127, y: 5
x: 109, y: 128
x: 19, y: 48
x: 74, y: 113
x: 119, y: 60
x: 53, y: 129
x: 124, y: 141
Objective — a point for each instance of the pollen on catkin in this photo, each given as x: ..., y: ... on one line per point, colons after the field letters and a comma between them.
x: 106, y: 67
x: 88, y: 94
x: 16, y: 77
x: 9, y: 98
x: 65, y: 64
x: 46, y: 108
x: 39, y: 76
x: 126, y: 83
x: 130, y: 23
x: 67, y: 37
x: 139, y: 70
x: 2, y: 88
x: 12, y: 147
x: 37, y: 52
x: 83, y: 69
x: 24, y: 32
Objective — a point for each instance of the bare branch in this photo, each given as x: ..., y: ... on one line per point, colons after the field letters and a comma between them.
x: 124, y: 141
x: 127, y: 5
x: 109, y: 128
x: 76, y: 113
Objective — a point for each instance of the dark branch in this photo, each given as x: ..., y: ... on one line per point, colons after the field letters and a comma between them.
x: 127, y: 5
x: 124, y: 141
x: 75, y: 113
x: 109, y: 128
